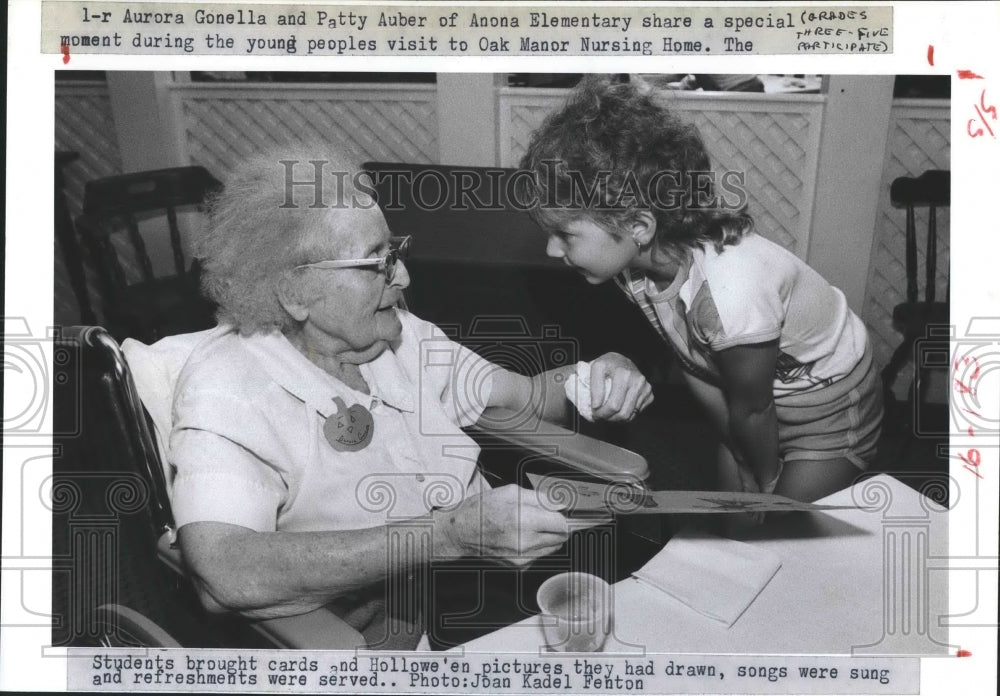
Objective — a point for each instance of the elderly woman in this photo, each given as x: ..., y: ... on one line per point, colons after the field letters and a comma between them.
x: 319, y: 416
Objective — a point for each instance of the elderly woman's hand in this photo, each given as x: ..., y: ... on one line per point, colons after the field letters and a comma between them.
x: 506, y: 523
x: 618, y: 391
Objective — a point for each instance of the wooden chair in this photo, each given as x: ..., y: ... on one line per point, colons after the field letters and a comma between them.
x: 918, y: 319
x: 139, y: 302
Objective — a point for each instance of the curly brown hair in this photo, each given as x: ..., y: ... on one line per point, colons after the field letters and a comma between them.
x: 614, y: 150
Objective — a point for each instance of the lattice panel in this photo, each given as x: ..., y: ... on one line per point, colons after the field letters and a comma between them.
x: 83, y: 124
x: 769, y: 149
x: 774, y: 145
x: 919, y: 139
x: 522, y: 119
x: 393, y: 126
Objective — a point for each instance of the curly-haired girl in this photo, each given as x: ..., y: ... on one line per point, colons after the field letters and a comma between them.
x: 625, y: 191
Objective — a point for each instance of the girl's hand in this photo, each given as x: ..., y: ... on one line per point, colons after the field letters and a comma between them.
x: 749, y: 484
x: 769, y: 486
x: 618, y: 391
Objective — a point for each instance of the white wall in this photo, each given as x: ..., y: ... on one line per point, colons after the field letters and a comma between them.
x: 851, y: 156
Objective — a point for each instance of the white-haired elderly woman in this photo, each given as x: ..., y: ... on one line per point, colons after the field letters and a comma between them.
x: 319, y: 414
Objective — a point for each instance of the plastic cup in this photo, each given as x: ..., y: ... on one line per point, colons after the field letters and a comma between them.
x: 577, y: 612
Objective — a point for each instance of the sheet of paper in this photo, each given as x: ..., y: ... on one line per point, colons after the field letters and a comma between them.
x: 587, y: 497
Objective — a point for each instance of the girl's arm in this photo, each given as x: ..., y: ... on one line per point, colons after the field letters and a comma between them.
x: 627, y: 393
x: 748, y: 375
x: 713, y: 400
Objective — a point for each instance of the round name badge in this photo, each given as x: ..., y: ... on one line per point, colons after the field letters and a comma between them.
x: 350, y: 429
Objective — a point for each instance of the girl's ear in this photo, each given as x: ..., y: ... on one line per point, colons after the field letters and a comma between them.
x: 643, y: 228
x: 290, y: 298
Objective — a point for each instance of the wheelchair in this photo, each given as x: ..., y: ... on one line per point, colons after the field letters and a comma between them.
x: 121, y: 579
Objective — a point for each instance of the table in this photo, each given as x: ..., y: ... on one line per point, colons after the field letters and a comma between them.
x: 852, y: 581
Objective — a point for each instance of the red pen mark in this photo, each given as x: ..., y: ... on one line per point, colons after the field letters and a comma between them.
x: 968, y: 75
x: 960, y: 385
x: 972, y: 459
x: 930, y: 54
x: 980, y: 108
x: 964, y: 653
x: 962, y: 389
x: 965, y: 361
x: 992, y: 111
x: 65, y: 53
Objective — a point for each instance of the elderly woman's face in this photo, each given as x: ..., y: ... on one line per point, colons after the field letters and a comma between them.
x: 354, y: 305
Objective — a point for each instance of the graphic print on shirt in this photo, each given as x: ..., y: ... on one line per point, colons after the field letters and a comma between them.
x: 705, y: 326
x: 633, y: 285
x: 788, y: 370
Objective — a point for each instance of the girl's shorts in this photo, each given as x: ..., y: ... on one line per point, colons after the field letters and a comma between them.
x: 840, y: 421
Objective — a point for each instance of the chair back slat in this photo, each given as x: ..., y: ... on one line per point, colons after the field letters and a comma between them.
x: 175, y: 242
x: 109, y: 267
x: 139, y: 247
x: 911, y: 255
x: 931, y: 190
x: 931, y: 254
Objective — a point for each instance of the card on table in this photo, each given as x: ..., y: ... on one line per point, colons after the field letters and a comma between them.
x: 579, y: 496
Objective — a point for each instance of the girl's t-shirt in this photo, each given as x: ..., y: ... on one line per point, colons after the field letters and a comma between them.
x: 753, y: 292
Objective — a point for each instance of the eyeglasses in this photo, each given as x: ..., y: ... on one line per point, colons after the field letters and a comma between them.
x: 399, y: 247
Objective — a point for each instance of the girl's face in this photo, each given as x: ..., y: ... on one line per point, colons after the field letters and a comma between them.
x: 591, y: 250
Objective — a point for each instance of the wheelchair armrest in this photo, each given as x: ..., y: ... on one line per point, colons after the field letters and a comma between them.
x: 320, y: 629
x: 169, y: 555
x: 580, y: 452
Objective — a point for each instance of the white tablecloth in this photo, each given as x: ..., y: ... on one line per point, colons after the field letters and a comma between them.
x: 849, y: 579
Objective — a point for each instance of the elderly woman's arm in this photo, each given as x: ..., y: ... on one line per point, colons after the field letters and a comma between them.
x: 263, y: 575
x: 618, y: 391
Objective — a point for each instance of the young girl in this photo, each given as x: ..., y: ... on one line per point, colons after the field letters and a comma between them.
x: 784, y: 368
